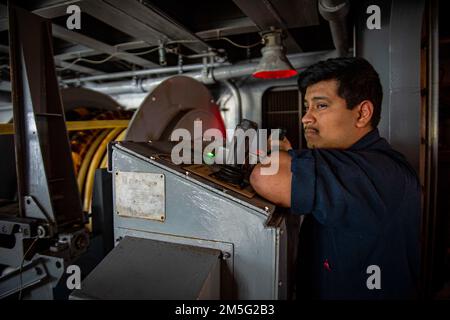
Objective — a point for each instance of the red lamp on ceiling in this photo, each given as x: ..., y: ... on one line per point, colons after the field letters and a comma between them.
x: 274, y: 63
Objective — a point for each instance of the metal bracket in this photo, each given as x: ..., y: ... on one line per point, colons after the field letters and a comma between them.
x: 40, y: 275
x: 109, y: 149
x: 44, y: 164
x: 34, y: 210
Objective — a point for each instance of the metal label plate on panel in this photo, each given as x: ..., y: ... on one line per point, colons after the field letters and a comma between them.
x: 140, y: 195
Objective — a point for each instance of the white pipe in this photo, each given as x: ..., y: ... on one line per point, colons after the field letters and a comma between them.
x: 208, y: 75
x: 126, y: 74
x: 335, y: 12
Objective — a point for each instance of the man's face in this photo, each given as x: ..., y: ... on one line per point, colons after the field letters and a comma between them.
x: 327, y: 121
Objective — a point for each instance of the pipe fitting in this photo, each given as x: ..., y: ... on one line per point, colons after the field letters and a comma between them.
x: 333, y: 10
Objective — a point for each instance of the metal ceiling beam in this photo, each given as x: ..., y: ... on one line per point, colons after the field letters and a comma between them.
x: 161, y: 22
x: 122, y: 21
x: 48, y: 9
x: 52, y: 8
x: 297, y: 13
x: 142, y: 22
x: 62, y: 64
x: 229, y: 28
x: 76, y: 67
x: 265, y: 15
x: 74, y: 37
x: 77, y: 50
x: 132, y: 45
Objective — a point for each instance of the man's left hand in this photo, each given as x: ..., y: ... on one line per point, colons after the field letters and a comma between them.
x: 284, y: 145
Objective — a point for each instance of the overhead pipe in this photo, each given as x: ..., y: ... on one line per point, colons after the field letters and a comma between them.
x: 138, y: 73
x: 208, y: 74
x: 335, y: 12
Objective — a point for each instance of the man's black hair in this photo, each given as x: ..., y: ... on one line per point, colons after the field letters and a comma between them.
x: 357, y: 81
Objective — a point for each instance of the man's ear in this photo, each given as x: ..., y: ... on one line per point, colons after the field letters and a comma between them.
x: 365, y: 113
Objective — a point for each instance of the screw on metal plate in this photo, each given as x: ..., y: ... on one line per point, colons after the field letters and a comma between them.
x: 152, y: 158
x: 41, y: 232
x: 226, y: 255
x: 187, y: 173
x: 38, y: 271
x: 266, y: 209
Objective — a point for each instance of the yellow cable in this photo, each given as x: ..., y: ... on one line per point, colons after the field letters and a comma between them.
x: 8, y: 128
x: 93, y: 165
x: 87, y: 159
x: 120, y: 137
x: 104, y: 163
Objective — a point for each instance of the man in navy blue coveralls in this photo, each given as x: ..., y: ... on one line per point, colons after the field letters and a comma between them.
x: 360, y: 198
